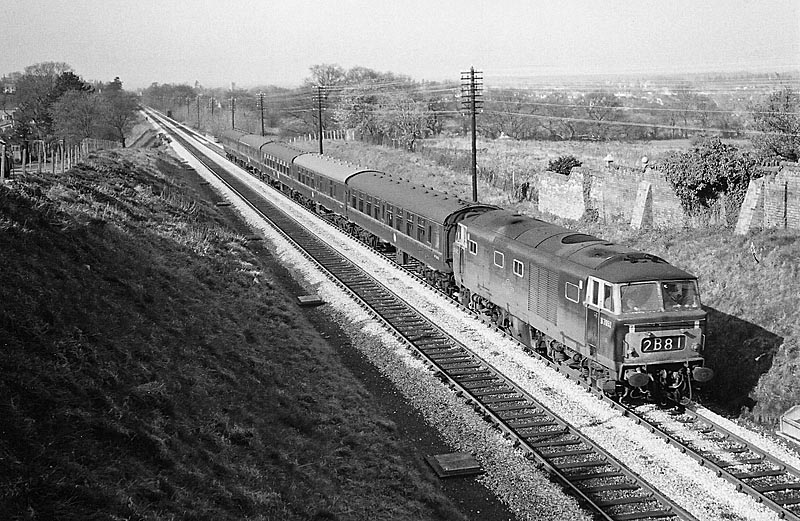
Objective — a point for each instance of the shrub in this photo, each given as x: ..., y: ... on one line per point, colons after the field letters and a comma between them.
x: 564, y: 164
x: 710, y: 170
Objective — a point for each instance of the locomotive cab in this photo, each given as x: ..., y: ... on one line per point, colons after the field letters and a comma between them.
x: 650, y: 332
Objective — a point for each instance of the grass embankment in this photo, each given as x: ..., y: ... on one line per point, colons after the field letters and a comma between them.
x: 154, y: 367
x: 753, y: 343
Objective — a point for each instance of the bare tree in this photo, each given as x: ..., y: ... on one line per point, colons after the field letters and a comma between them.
x: 76, y: 115
x: 119, y: 112
x: 601, y: 106
x: 777, y: 118
x: 326, y: 74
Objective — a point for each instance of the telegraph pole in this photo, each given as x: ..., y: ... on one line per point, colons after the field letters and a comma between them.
x: 261, y: 105
x: 471, y: 86
x: 233, y: 113
x: 198, y: 112
x: 320, y: 93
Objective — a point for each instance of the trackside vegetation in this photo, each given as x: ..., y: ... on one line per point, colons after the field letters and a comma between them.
x: 153, y: 365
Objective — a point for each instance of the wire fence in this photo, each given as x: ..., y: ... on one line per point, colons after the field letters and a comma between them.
x: 41, y: 156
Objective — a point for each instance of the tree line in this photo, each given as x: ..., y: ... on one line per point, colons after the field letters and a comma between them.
x: 384, y: 105
x: 53, y: 104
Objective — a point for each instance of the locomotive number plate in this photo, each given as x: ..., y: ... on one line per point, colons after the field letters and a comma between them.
x: 656, y: 344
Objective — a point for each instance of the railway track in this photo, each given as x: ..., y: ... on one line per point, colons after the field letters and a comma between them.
x: 602, y: 483
x: 751, y: 469
x: 564, y: 451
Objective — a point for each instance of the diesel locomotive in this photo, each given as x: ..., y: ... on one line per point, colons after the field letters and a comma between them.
x: 630, y: 321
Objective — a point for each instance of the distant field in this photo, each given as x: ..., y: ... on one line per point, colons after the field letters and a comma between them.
x: 591, y: 153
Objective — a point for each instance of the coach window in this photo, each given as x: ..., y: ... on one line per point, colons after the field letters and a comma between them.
x: 378, y: 207
x: 519, y: 268
x: 389, y: 215
x: 409, y: 224
x: 430, y: 233
x: 360, y: 202
x: 353, y: 199
x: 499, y: 259
x: 331, y: 189
x: 473, y: 247
x: 369, y: 205
x: 435, y: 237
x: 421, y: 230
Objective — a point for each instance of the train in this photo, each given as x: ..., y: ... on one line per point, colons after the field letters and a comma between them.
x: 629, y: 321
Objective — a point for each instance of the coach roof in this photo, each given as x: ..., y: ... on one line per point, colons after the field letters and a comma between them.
x: 329, y: 167
x: 422, y: 201
x: 282, y: 151
x: 255, y: 141
x: 232, y: 135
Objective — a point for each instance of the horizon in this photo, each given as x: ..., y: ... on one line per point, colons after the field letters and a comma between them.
x: 252, y: 43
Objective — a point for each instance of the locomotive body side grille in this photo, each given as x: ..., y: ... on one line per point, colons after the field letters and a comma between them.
x: 543, y: 293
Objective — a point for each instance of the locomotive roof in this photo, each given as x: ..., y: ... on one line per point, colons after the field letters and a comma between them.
x: 420, y: 200
x: 233, y: 135
x: 282, y: 151
x: 609, y: 261
x: 328, y: 166
x: 255, y: 141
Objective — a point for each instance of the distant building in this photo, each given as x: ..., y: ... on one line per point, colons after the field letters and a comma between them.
x: 8, y: 83
x: 7, y: 118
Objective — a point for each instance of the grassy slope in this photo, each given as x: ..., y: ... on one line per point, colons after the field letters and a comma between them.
x: 752, y: 305
x: 152, y: 367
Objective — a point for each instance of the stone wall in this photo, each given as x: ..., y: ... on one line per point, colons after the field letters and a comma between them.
x: 772, y: 201
x: 612, y: 195
x: 644, y: 198
x: 562, y: 195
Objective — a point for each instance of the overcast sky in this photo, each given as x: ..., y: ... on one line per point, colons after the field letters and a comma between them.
x: 275, y: 42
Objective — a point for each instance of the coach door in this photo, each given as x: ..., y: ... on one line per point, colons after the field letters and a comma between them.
x: 459, y: 251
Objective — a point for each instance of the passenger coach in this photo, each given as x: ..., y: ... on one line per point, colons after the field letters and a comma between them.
x: 418, y: 222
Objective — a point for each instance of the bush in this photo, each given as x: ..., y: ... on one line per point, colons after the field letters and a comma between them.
x: 710, y: 170
x: 564, y: 164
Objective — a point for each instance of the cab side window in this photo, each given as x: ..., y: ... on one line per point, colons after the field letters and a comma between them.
x: 601, y: 294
